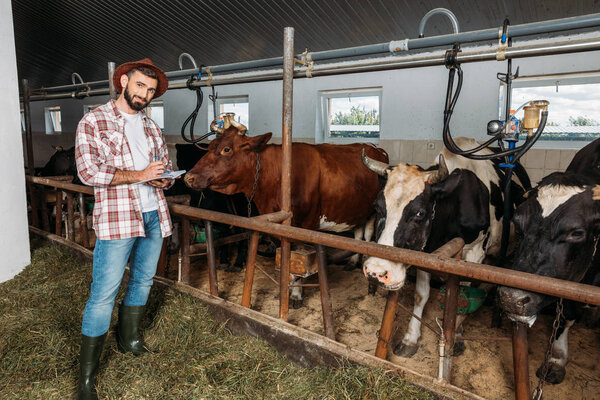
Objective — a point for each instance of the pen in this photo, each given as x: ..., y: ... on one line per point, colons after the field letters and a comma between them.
x: 156, y: 159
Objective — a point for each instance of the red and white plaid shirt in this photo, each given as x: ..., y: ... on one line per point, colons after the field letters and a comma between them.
x: 101, y: 149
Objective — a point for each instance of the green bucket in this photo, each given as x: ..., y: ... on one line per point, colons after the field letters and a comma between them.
x: 198, y: 234
x: 469, y: 299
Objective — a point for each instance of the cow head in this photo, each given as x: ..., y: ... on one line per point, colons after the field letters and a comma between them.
x: 229, y: 164
x: 557, y: 228
x: 407, y: 208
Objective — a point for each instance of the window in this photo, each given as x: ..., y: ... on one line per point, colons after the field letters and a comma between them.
x: 53, y: 120
x: 351, y: 114
x: 89, y: 107
x: 156, y: 111
x: 239, y: 105
x: 573, y: 113
x: 23, y: 129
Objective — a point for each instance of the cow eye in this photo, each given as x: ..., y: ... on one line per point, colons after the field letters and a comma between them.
x: 420, y: 214
x: 225, y: 151
x: 576, y: 235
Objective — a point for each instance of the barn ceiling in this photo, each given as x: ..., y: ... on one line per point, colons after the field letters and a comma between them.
x: 55, y: 38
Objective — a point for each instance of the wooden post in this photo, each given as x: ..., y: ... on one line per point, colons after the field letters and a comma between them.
x: 70, y: 217
x: 212, y: 267
x: 520, y: 361
x: 250, y: 266
x: 161, y: 266
x: 83, y: 222
x: 44, y: 209
x: 387, y: 324
x: 449, y: 324
x: 328, y: 324
x: 58, y: 219
x: 185, y: 250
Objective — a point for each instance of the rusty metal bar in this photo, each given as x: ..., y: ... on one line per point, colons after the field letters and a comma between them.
x: 58, y: 219
x: 85, y: 242
x: 179, y: 198
x: 212, y: 267
x: 201, y: 247
x: 185, y: 272
x: 387, y: 324
x: 59, y: 239
x: 60, y: 184
x: 70, y: 217
x: 520, y: 361
x: 328, y: 323
x: 306, y: 285
x: 449, y: 326
x: 432, y: 262
x: 286, y: 167
x: 250, y: 265
x: 278, y: 216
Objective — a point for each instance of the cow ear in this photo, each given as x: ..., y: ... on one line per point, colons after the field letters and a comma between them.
x: 257, y: 143
x: 447, y: 186
x: 596, y: 192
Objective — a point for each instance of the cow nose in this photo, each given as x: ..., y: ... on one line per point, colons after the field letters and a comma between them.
x: 189, y: 179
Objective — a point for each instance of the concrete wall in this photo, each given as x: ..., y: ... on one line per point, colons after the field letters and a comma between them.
x: 14, y: 236
x: 411, y: 109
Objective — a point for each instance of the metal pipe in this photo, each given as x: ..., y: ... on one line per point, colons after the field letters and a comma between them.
x: 370, y: 65
x: 185, y: 270
x: 443, y: 11
x: 111, y: 86
x: 70, y: 217
x: 286, y: 167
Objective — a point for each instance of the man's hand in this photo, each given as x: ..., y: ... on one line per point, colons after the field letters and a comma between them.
x: 153, y: 170
x: 159, y: 183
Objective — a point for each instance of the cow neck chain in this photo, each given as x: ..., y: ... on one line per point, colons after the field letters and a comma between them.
x: 254, y: 185
x: 537, y: 393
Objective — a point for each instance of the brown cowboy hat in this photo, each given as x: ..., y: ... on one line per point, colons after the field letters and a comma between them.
x: 163, y: 81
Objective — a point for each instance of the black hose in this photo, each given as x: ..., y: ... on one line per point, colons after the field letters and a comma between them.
x: 192, y: 118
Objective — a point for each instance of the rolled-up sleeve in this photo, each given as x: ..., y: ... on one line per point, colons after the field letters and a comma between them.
x: 90, y: 166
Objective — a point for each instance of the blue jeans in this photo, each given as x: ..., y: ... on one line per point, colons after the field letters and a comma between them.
x: 110, y: 259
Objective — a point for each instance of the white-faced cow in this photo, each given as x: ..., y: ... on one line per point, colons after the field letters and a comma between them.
x: 558, y: 227
x: 422, y: 209
x: 331, y: 189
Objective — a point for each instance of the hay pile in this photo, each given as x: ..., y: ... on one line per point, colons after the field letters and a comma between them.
x: 40, y: 317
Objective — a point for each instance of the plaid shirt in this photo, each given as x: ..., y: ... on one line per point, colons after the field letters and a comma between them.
x: 101, y: 149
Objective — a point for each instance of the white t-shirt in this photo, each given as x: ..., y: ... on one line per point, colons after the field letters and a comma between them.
x: 138, y: 144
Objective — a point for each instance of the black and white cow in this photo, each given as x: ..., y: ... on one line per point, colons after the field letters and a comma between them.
x: 422, y: 209
x: 558, y: 227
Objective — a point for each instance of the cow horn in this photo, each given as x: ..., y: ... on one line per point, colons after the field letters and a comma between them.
x: 378, y: 167
x: 442, y: 172
x: 240, y: 127
x: 215, y: 128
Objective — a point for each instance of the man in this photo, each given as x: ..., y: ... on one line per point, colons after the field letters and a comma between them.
x: 116, y: 146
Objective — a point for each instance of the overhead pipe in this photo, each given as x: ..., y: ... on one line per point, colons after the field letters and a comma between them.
x: 556, y: 25
x: 378, y: 64
x: 443, y: 11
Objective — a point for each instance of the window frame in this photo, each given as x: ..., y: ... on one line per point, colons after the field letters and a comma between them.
x: 233, y: 99
x: 323, y: 104
x: 50, y: 122
x: 156, y: 103
x: 564, y: 79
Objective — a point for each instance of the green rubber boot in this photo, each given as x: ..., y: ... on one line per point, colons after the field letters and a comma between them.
x: 129, y: 339
x: 89, y: 359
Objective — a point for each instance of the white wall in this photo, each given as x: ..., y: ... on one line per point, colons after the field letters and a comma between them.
x: 14, y: 236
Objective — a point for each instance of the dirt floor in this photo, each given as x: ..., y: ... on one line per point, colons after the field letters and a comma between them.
x: 484, y: 369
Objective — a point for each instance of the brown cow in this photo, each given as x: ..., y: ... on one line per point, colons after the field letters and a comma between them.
x: 331, y: 188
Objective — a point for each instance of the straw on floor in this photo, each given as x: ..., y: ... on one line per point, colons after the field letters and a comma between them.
x: 40, y: 317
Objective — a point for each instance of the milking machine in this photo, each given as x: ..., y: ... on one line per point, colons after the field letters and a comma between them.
x: 505, y: 133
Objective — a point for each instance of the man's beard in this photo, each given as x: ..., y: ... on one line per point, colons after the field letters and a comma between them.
x: 129, y: 100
